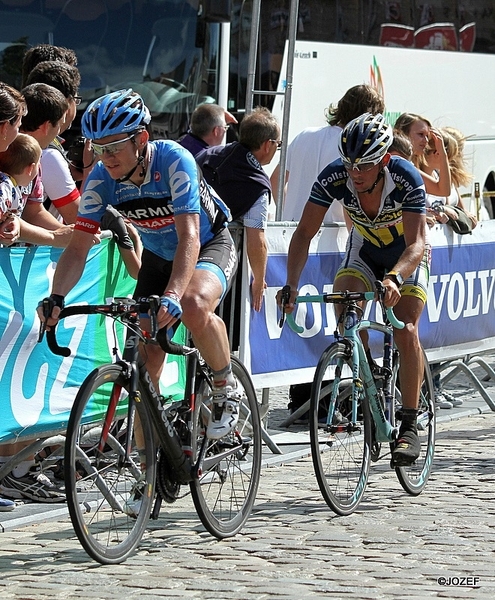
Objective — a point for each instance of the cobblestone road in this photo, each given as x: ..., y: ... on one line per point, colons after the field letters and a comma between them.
x: 293, y: 546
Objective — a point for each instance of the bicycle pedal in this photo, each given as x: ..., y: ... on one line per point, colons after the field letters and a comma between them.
x: 400, y: 462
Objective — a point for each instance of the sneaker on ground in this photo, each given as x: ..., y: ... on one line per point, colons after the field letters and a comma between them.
x: 132, y: 505
x: 6, y: 505
x: 224, y: 412
x: 407, y: 449
x: 441, y: 402
x: 35, y: 486
x: 452, y: 399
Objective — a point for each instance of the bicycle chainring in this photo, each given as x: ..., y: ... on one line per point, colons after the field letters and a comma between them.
x: 166, y: 486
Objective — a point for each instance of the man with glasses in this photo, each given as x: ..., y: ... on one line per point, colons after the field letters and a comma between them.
x: 189, y: 257
x: 209, y: 125
x: 236, y: 173
x: 307, y: 155
x: 384, y: 197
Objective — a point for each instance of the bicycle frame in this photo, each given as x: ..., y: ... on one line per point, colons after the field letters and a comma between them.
x: 139, y: 380
x: 165, y: 431
x: 362, y: 377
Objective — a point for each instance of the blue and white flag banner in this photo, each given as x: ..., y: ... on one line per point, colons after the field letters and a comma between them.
x: 459, y: 318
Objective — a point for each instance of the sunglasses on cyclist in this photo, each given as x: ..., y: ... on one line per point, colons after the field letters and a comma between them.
x: 111, y: 147
x: 361, y: 167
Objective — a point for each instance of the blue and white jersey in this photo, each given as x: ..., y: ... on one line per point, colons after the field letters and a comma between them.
x: 172, y: 186
x: 403, y: 191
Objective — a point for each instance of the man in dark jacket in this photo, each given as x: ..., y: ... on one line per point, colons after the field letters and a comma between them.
x: 235, y: 171
x: 209, y: 124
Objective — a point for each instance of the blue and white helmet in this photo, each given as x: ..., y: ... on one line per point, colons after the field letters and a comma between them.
x: 122, y: 111
x: 365, y: 140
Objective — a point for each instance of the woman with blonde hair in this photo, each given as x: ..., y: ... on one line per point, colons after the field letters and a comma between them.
x: 461, y: 176
x: 426, y: 139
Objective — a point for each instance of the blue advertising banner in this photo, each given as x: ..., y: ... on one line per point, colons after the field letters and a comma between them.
x: 37, y: 388
x: 459, y: 317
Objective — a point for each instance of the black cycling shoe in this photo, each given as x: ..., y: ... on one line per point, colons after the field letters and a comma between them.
x: 407, y: 449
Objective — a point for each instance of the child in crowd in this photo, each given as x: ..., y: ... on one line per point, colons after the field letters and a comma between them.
x: 19, y: 165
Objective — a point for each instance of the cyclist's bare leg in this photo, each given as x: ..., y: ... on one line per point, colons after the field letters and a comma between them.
x: 409, y: 310
x: 207, y: 329
x: 354, y: 284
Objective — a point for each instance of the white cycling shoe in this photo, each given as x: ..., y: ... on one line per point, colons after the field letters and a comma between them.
x: 224, y: 413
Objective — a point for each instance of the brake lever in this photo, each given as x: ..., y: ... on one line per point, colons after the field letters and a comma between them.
x: 154, y: 302
x: 284, y: 300
x: 47, y: 305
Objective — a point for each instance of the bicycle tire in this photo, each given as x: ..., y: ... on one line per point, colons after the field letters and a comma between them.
x: 413, y: 478
x: 225, y: 491
x: 109, y: 498
x: 340, y: 450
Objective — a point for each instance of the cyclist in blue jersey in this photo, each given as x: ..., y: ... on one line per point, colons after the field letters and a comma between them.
x: 189, y: 257
x: 384, y: 197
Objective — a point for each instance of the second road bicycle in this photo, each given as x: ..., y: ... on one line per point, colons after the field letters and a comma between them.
x: 356, y: 403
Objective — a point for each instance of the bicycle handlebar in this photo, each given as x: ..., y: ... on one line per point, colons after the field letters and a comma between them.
x: 120, y: 307
x: 339, y: 298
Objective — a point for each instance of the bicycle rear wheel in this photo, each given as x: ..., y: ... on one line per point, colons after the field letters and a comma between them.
x: 340, y: 437
x: 413, y: 478
x: 225, y: 491
x: 109, y: 494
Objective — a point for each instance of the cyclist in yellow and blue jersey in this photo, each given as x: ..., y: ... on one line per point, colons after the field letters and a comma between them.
x: 384, y: 197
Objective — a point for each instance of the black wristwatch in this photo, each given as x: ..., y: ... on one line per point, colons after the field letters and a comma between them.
x: 395, y: 276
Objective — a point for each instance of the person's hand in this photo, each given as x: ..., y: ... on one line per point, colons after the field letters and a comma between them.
x: 10, y: 230
x: 229, y: 118
x: 49, y: 310
x: 170, y: 310
x: 436, y: 141
x: 392, y: 292
x: 257, y: 293
x: 114, y: 221
x: 472, y: 218
x: 431, y: 220
x: 62, y: 236
x: 435, y: 216
x: 290, y: 304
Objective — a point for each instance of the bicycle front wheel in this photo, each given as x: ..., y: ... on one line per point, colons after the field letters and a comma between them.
x: 225, y: 489
x: 413, y: 478
x: 340, y: 432
x: 109, y: 482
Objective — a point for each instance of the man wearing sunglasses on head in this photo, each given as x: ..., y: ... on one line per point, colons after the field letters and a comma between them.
x: 384, y: 197
x: 189, y: 257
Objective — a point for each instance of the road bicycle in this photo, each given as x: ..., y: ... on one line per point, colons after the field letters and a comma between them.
x: 356, y: 404
x: 122, y: 439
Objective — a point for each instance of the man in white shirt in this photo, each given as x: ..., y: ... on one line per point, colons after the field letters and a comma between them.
x: 316, y: 147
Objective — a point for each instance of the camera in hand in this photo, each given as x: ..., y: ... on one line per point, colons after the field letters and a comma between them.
x: 75, y: 153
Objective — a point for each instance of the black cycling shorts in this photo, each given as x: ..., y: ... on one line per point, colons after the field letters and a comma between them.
x: 218, y: 256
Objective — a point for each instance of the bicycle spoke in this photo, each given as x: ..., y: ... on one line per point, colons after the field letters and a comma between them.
x: 225, y: 491
x: 109, y: 494
x: 340, y: 447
